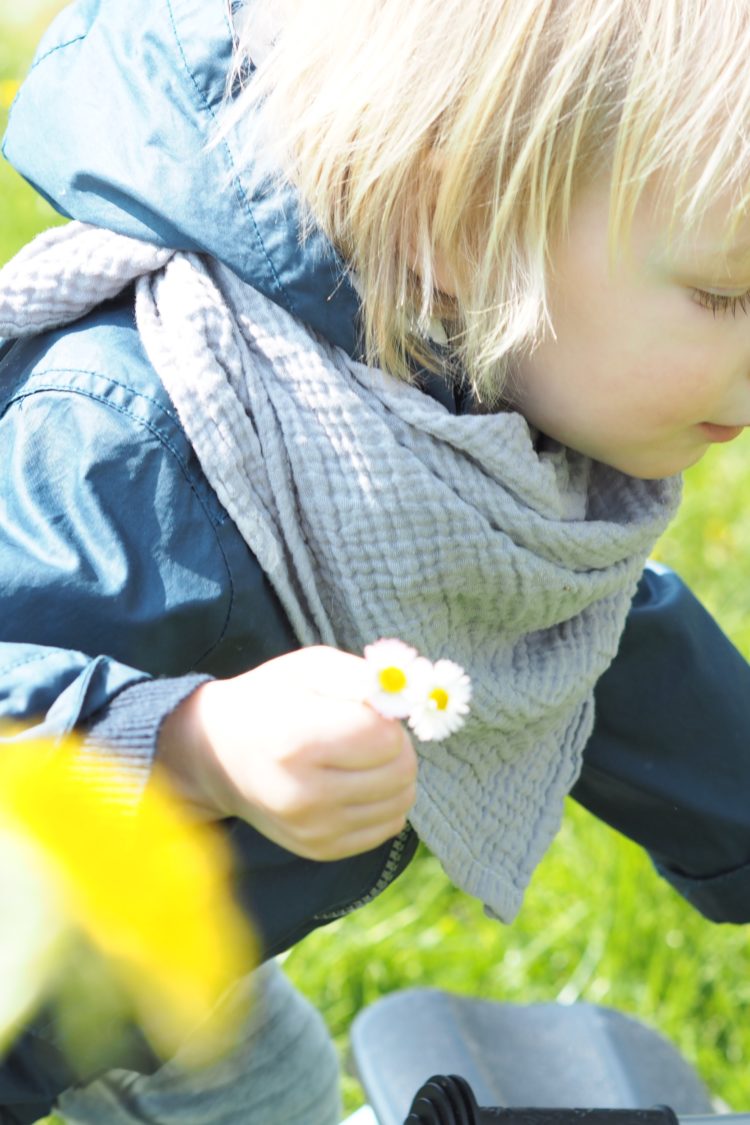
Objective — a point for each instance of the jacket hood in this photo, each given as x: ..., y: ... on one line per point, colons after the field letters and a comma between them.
x: 112, y: 124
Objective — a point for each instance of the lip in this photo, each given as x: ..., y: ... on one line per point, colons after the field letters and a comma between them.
x: 715, y: 433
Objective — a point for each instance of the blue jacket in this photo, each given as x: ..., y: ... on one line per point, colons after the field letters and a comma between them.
x: 122, y: 576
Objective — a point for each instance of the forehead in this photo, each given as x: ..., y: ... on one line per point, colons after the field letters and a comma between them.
x: 712, y: 227
x: 720, y: 233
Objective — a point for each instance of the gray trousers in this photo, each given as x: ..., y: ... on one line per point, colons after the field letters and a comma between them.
x: 284, y: 1071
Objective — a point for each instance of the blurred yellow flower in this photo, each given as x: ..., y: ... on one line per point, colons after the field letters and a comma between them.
x: 144, y: 884
x: 31, y: 929
x: 8, y: 90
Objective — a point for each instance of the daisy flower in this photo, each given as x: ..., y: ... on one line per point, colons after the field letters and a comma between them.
x: 440, y: 701
x: 390, y: 672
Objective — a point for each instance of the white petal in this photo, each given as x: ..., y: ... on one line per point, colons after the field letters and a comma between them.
x: 389, y: 651
x: 432, y: 725
x: 391, y: 705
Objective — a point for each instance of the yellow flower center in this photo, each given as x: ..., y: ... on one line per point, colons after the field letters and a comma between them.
x: 439, y: 697
x: 392, y: 680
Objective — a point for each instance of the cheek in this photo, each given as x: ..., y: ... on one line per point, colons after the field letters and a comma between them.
x: 613, y: 337
x: 606, y: 376
x: 595, y: 340
x: 587, y: 364
x: 673, y: 378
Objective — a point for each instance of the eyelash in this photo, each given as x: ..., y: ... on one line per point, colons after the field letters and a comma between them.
x: 716, y: 303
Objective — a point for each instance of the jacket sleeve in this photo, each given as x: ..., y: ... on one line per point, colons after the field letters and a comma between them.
x: 114, y: 585
x: 668, y: 763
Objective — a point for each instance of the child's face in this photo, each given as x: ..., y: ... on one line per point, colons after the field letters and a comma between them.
x: 639, y: 375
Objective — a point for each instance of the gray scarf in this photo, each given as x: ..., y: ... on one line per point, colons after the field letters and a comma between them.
x: 374, y: 512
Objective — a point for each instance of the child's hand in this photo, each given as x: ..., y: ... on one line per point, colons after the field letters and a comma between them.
x: 290, y: 748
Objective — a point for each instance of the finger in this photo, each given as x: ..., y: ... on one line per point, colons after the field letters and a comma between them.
x: 333, y: 674
x: 366, y: 787
x: 373, y: 742
x: 377, y: 813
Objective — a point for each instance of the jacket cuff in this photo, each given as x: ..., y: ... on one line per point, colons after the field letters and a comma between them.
x: 720, y: 898
x: 127, y: 730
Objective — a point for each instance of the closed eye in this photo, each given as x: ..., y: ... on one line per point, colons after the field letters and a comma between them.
x: 721, y: 303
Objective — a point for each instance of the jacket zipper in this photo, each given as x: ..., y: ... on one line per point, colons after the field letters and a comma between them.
x: 386, y: 877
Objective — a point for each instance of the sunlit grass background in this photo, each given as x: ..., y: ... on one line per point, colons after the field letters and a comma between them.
x: 598, y: 924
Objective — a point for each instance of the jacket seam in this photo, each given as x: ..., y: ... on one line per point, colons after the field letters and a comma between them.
x: 151, y: 426
x: 168, y: 445
x: 35, y: 659
x: 110, y: 380
x: 239, y: 189
x: 35, y: 64
x: 57, y: 47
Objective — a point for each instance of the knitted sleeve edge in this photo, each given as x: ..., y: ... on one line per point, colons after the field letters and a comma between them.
x: 127, y: 730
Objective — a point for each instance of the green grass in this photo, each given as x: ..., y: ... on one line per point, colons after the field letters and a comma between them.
x: 22, y: 212
x: 598, y: 924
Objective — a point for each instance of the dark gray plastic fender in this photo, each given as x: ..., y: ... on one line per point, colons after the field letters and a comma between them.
x: 517, y: 1055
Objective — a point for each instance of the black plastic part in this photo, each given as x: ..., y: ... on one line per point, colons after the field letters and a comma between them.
x: 447, y: 1099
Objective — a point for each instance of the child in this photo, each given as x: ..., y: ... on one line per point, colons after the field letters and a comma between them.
x: 528, y: 218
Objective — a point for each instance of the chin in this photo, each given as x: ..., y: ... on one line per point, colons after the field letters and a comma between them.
x: 656, y: 468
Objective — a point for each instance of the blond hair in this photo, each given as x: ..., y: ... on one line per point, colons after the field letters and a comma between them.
x: 448, y: 138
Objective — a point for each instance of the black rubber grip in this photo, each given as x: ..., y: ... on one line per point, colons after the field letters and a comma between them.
x: 447, y: 1099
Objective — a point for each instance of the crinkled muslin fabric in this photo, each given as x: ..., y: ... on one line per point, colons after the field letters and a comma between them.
x: 375, y: 512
